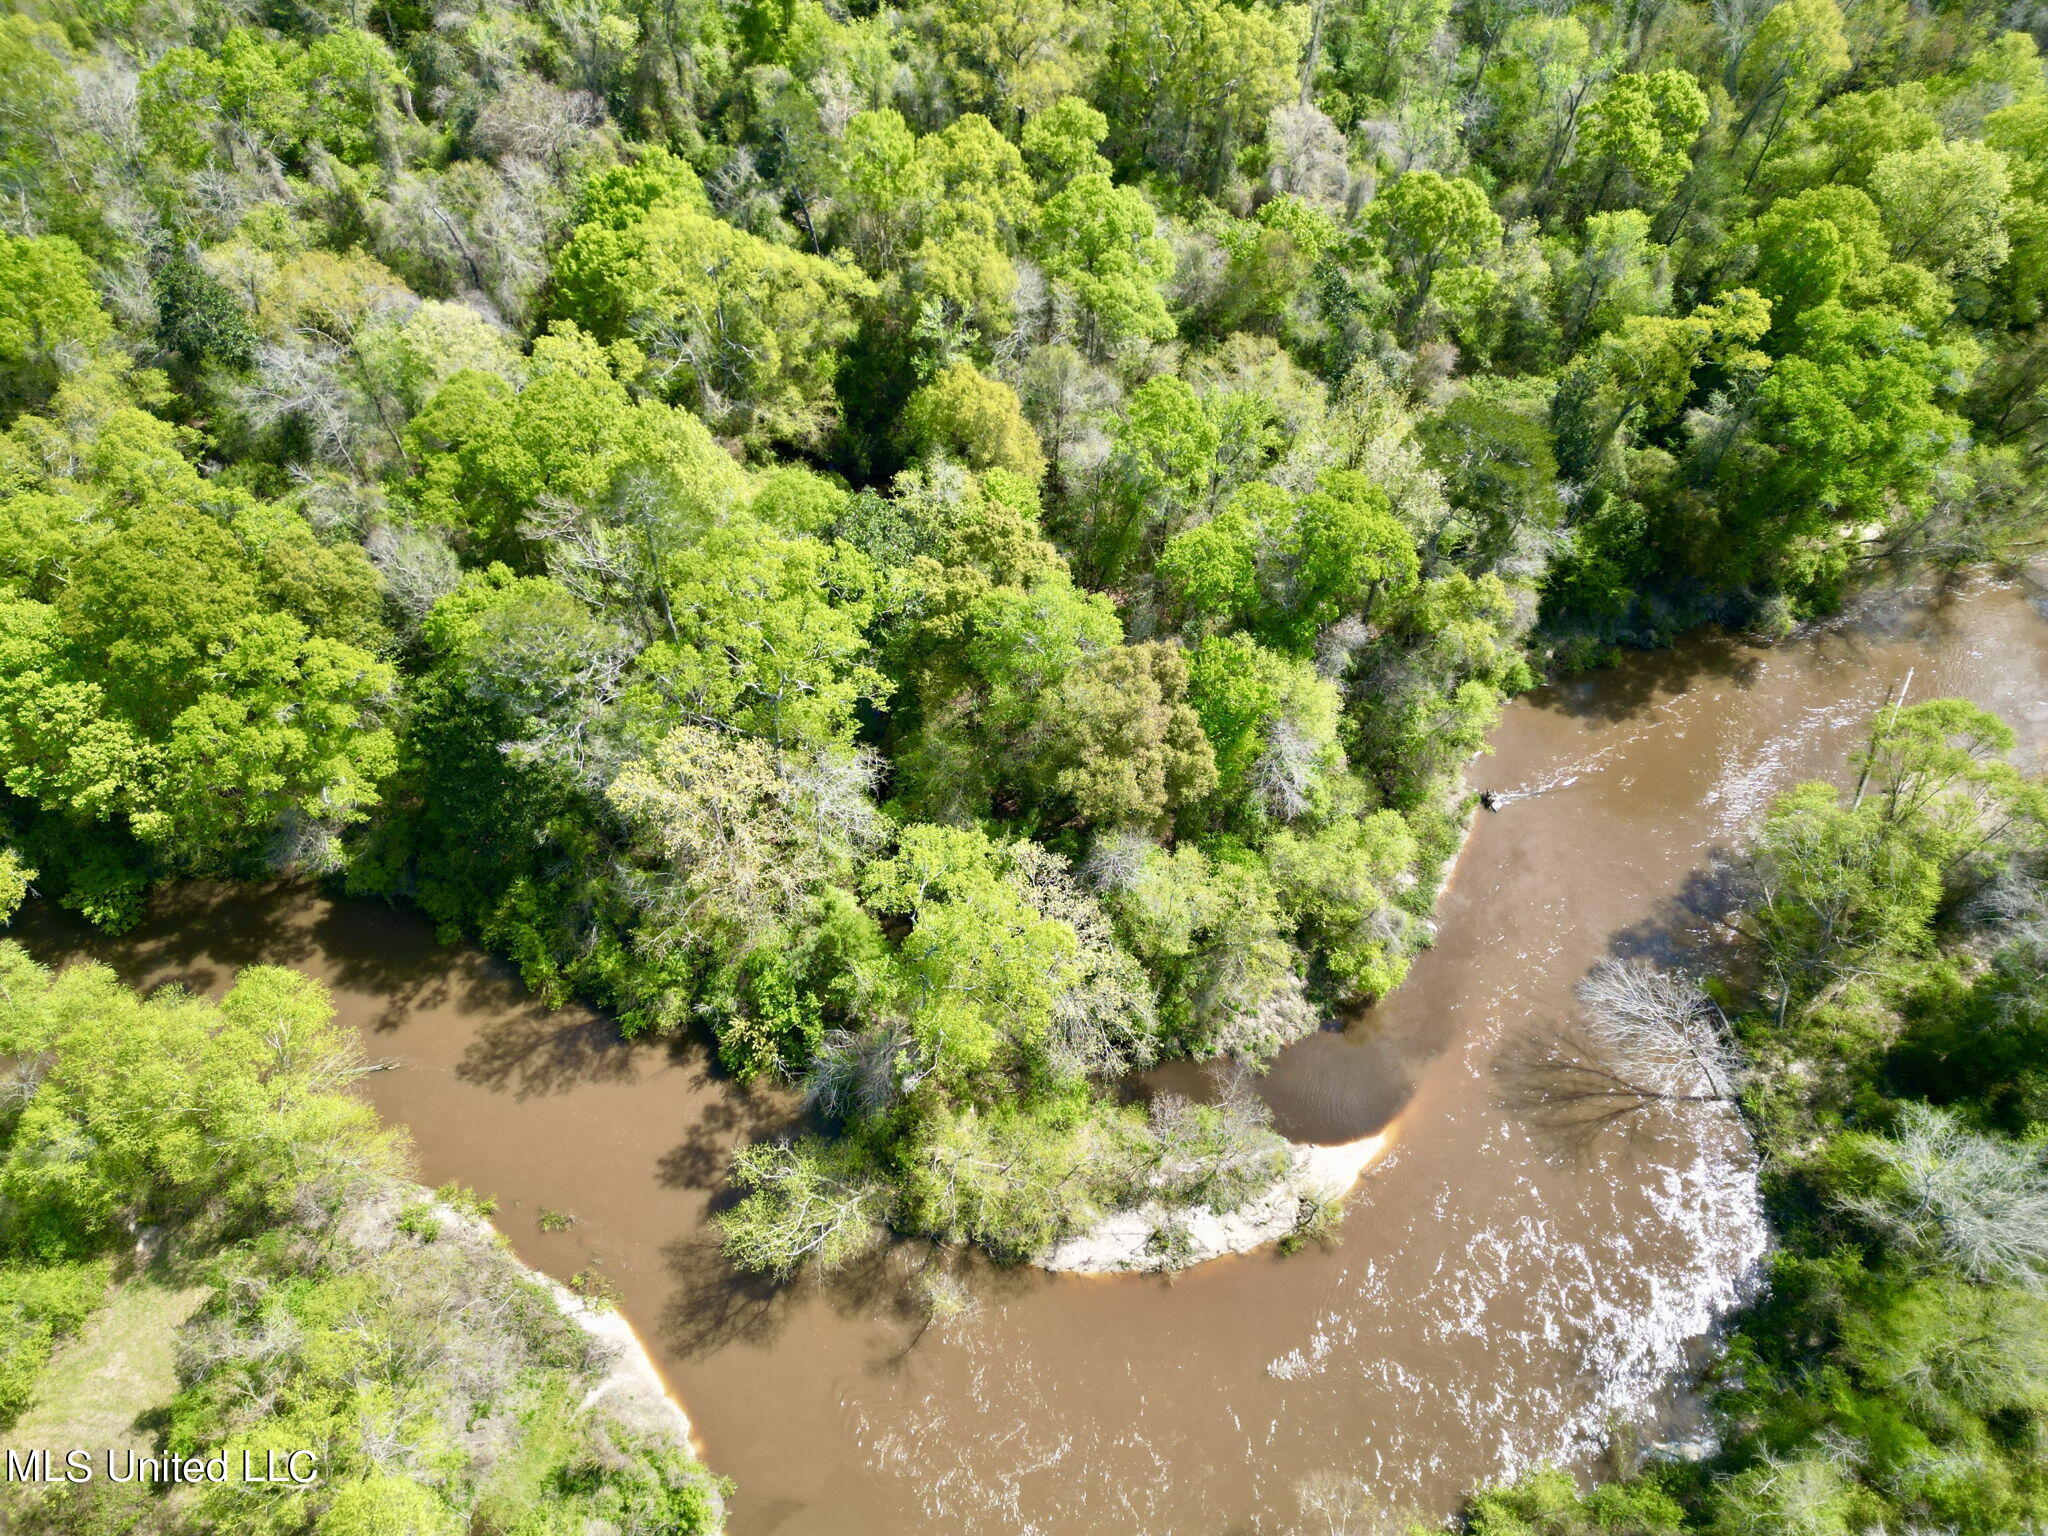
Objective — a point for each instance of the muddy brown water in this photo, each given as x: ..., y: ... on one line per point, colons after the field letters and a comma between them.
x: 1499, y: 1295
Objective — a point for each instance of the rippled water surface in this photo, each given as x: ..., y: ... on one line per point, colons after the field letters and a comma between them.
x: 1500, y: 1293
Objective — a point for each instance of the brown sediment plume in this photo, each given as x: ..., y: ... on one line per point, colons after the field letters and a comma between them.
x: 1492, y: 1298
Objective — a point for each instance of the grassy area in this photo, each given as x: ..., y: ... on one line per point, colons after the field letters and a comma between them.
x: 120, y: 1367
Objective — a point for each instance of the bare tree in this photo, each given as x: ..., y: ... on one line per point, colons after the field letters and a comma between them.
x: 864, y: 1071
x: 1308, y: 155
x: 418, y: 568
x: 1975, y: 1203
x: 1661, y: 1027
x: 1285, y: 774
x: 1338, y: 1504
x: 1645, y: 1038
x: 1219, y: 1155
x: 1104, y: 1020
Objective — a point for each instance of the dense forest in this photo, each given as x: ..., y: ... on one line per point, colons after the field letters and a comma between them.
x: 962, y: 549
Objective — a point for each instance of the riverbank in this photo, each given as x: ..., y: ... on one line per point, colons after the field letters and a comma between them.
x: 1155, y: 1237
x: 630, y: 1389
x: 1492, y: 1302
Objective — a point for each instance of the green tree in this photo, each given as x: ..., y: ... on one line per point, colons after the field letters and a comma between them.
x: 171, y: 688
x: 155, y: 1109
x: 803, y: 1206
x: 1843, y: 435
x: 1944, y: 206
x: 1618, y: 274
x: 1100, y: 241
x: 744, y: 332
x: 1061, y: 141
x: 1257, y: 708
x: 1638, y: 135
x: 983, y: 968
x: 1011, y: 58
x: 741, y: 842
x: 16, y: 882
x: 570, y: 432
x: 49, y: 313
x: 1796, y: 52
x: 1187, y: 82
x: 1810, y: 246
x: 1164, y: 453
x: 1426, y: 222
x: 1122, y: 745
x: 975, y: 420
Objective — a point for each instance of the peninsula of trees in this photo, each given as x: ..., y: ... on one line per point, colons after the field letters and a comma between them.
x: 959, y: 548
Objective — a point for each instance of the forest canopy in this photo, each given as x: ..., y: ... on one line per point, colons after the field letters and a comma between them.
x: 961, y: 548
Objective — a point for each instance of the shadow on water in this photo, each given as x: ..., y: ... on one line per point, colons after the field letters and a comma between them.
x: 1334, y: 1088
x: 533, y: 1051
x: 1881, y: 618
x: 1327, y: 1088
x: 1553, y: 1081
x: 1617, y: 693
x: 194, y: 936
x: 712, y: 1305
x: 701, y: 1159
x: 1688, y: 928
x: 1568, y: 1091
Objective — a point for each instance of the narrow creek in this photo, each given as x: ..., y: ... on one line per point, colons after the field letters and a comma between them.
x: 1499, y: 1295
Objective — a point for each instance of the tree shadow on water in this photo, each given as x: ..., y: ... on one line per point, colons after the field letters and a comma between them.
x: 715, y: 1305
x: 1688, y: 929
x: 1576, y: 1103
x: 1570, y: 1088
x: 703, y: 1158
x: 196, y: 934
x: 1644, y: 677
x: 538, y: 1051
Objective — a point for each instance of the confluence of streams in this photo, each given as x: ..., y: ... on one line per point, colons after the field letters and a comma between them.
x: 1495, y: 1299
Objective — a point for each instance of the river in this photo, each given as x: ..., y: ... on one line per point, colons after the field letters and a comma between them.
x: 1500, y: 1293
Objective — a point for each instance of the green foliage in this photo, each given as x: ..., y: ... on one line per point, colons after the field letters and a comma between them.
x: 1185, y: 83
x: 490, y: 454
x: 348, y: 1310
x: 743, y: 332
x: 171, y: 689
x: 1548, y: 1503
x: 47, y: 308
x: 1098, y: 239
x: 1637, y: 135
x: 1129, y: 749
x: 975, y: 420
x: 40, y: 1306
x: 1425, y: 221
x: 15, y: 883
x: 802, y: 1208
x: 170, y: 1108
x: 1897, y: 1371
x: 772, y: 515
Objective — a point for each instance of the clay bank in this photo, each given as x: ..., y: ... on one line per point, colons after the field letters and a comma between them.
x: 1497, y: 1295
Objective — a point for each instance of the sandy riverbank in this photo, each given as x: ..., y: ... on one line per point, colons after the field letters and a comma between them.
x: 1155, y: 1237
